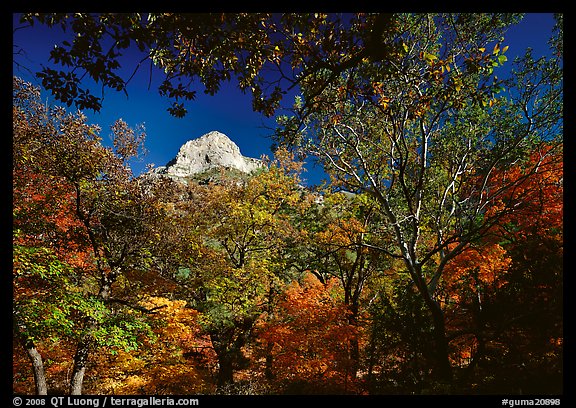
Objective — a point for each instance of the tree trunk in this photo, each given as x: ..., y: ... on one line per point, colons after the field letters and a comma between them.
x: 354, y: 356
x: 442, y: 370
x: 226, y: 370
x: 80, y: 361
x: 222, y: 344
x: 269, y: 369
x: 371, y: 361
x: 228, y: 345
x: 35, y: 357
x: 83, y: 348
x: 38, y: 369
x: 354, y: 345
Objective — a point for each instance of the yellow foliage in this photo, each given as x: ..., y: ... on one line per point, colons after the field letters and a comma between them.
x: 161, y: 367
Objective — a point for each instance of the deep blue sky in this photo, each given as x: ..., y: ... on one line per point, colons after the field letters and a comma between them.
x: 229, y: 111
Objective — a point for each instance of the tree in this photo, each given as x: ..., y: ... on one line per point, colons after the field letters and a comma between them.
x: 171, y: 362
x: 400, y: 344
x: 268, y: 54
x: 46, y: 248
x: 425, y: 141
x: 101, y: 212
x: 43, y: 306
x: 510, y: 285
x: 240, y: 228
x: 339, y: 245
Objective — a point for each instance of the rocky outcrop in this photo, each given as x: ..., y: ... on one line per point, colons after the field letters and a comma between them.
x: 211, y: 151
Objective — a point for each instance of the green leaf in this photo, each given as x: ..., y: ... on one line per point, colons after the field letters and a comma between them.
x: 502, y: 59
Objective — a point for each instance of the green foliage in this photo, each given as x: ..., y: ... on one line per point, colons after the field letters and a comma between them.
x: 46, y: 303
x: 232, y: 296
x: 122, y: 330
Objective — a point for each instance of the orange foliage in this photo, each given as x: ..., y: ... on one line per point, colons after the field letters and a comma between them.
x: 310, y: 334
x: 537, y: 198
x: 530, y: 214
x: 532, y: 204
x: 483, y: 266
x: 341, y: 233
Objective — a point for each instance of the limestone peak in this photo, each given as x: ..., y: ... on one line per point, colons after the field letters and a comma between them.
x: 212, y: 150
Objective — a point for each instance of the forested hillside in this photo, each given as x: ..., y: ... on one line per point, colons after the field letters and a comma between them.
x: 429, y: 262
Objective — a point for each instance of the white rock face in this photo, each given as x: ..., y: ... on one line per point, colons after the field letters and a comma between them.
x: 212, y: 150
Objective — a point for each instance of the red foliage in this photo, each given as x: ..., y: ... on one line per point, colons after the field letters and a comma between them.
x: 43, y: 208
